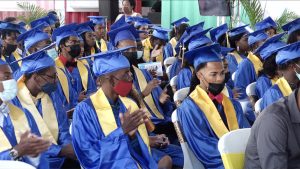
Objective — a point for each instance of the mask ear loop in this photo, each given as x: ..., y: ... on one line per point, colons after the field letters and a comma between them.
x: 205, y: 81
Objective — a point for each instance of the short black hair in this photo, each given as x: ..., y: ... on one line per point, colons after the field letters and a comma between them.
x: 233, y: 39
x: 10, y: 19
x: 132, y: 3
x: 40, y: 72
x: 6, y: 33
x: 293, y: 37
x: 52, y: 12
x: 63, y: 41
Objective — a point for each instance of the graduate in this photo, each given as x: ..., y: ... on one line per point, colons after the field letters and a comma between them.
x: 179, y: 27
x: 85, y: 31
x: 76, y: 72
x: 293, y: 29
x: 194, y: 40
x: 37, y: 93
x: 288, y: 61
x: 269, y: 74
x: 46, y: 21
x: 228, y: 90
x: 100, y: 32
x: 238, y: 39
x: 142, y: 25
x: 206, y: 114
x: 248, y: 68
x: 115, y: 133
x: 268, y: 25
x: 219, y: 35
x: 9, y: 35
x: 20, y: 139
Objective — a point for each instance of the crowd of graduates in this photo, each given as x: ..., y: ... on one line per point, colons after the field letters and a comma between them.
x: 74, y: 96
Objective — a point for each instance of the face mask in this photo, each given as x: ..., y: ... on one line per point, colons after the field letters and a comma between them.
x: 227, y: 77
x: 139, y: 54
x: 49, y: 88
x: 52, y: 53
x: 215, y: 88
x: 57, y: 25
x: 123, y: 88
x: 75, y: 50
x: 10, y: 49
x: 10, y: 90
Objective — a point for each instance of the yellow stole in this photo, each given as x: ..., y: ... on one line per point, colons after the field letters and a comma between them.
x: 106, y: 116
x: 20, y: 123
x: 256, y: 62
x: 103, y: 46
x: 148, y: 99
x: 237, y: 57
x: 201, y: 98
x: 62, y: 77
x: 173, y: 42
x: 147, y: 47
x: 84, y: 74
x: 284, y: 86
x: 225, y: 92
x: 16, y: 55
x: 47, y: 125
x: 93, y: 51
x: 274, y: 80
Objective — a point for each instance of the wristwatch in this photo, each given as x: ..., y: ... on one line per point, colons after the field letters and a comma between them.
x: 14, y: 154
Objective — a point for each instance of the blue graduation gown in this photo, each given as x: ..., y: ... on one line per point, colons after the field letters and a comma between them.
x: 168, y: 51
x: 174, y: 151
x: 94, y: 150
x: 184, y: 78
x: 232, y: 62
x: 200, y: 136
x: 165, y: 109
x: 175, y: 68
x: 245, y: 74
x: 8, y: 130
x: 9, y: 59
x: 271, y: 95
x: 263, y: 83
x: 64, y: 136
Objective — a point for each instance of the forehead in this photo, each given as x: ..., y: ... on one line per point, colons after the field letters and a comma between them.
x: 214, y: 66
x: 4, y: 69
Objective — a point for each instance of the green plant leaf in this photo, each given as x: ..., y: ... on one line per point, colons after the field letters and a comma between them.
x: 254, y: 11
x: 285, y: 17
x: 32, y: 12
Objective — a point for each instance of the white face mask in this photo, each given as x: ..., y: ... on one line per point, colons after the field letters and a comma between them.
x: 10, y: 90
x: 52, y: 53
x: 139, y: 54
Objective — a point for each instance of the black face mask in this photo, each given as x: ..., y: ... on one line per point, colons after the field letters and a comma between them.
x: 57, y: 25
x: 227, y: 77
x: 75, y: 50
x: 9, y: 49
x: 215, y: 88
x: 49, y: 88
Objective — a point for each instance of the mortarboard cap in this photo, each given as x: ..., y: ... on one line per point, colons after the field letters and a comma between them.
x: 12, y: 27
x: 63, y: 32
x: 84, y: 27
x: 292, y: 26
x: 238, y: 30
x: 52, y: 18
x: 142, y: 22
x: 44, y: 20
x: 98, y: 20
x: 204, y: 54
x: 217, y: 32
x: 288, y: 53
x: 265, y: 24
x: 161, y: 33
x: 180, y: 21
x: 225, y: 50
x: 257, y: 36
x: 197, y: 39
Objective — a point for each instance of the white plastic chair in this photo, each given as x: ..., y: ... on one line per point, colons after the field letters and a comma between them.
x: 181, y: 94
x: 6, y: 164
x: 244, y: 103
x: 169, y: 61
x: 190, y: 161
x: 257, y: 107
x: 250, y: 89
x: 232, y: 148
x: 173, y: 81
x: 168, y: 71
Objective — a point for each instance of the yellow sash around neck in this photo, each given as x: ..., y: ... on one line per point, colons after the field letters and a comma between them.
x: 20, y: 123
x: 256, y: 62
x: 201, y: 98
x: 47, y: 125
x: 225, y: 92
x: 63, y: 79
x: 237, y: 56
x: 173, y: 42
x: 106, y: 116
x: 147, y: 48
x: 274, y: 80
x: 148, y: 99
x: 102, y: 46
x: 284, y: 86
x: 84, y: 74
x: 16, y: 55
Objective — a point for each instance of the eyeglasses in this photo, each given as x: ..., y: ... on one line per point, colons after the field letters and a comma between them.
x: 53, y: 77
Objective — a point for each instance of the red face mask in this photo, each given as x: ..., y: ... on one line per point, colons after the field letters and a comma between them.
x: 123, y: 88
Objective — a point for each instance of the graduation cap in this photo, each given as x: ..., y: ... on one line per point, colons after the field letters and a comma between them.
x: 180, y: 21
x: 110, y: 61
x: 292, y: 26
x: 44, y: 20
x: 270, y: 46
x: 63, y: 32
x: 84, y: 27
x: 35, y: 62
x: 161, y: 33
x: 197, y: 39
x: 132, y: 19
x: 238, y: 30
x: 257, y: 36
x: 142, y: 22
x: 121, y: 30
x: 198, y: 26
x: 32, y: 37
x: 53, y: 18
x: 98, y: 20
x: 217, y: 32
x: 288, y: 53
x: 23, y: 24
x: 225, y: 50
x: 12, y: 27
x: 204, y: 54
x: 265, y: 24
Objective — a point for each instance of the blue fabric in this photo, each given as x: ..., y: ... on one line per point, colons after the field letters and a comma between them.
x: 98, y: 20
x: 292, y: 26
x: 95, y: 150
x: 165, y: 109
x: 64, y: 32
x: 180, y: 21
x: 288, y: 53
x: 32, y: 36
x: 174, y: 151
x: 271, y: 95
x: 11, y: 61
x: 263, y: 83
x: 160, y: 33
x: 64, y: 136
x: 35, y: 62
x: 217, y: 32
x: 238, y: 30
x: 84, y: 27
x: 175, y: 68
x: 168, y: 51
x: 245, y: 74
x: 265, y: 24
x: 45, y: 19
x: 232, y: 62
x: 199, y: 135
x: 257, y: 36
x: 184, y: 78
